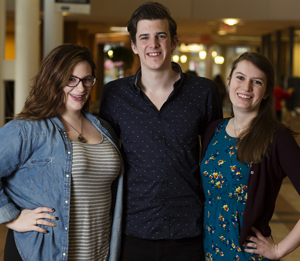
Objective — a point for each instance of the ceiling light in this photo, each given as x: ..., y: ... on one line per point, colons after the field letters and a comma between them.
x: 219, y: 59
x: 221, y: 32
x: 191, y: 48
x: 118, y: 29
x: 175, y: 58
x: 202, y: 55
x: 110, y: 53
x: 230, y: 21
x: 183, y: 58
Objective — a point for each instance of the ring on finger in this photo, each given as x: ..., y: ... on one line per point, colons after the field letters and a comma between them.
x: 36, y: 221
x: 255, y: 245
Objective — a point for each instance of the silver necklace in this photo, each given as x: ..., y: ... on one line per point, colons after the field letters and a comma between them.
x: 80, y: 137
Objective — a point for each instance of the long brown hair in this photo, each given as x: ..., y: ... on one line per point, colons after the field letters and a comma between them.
x: 255, y: 141
x: 46, y: 95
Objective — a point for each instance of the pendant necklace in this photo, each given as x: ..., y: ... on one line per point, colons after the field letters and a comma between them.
x: 80, y: 137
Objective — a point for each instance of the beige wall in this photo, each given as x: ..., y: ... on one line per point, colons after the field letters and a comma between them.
x: 296, y: 65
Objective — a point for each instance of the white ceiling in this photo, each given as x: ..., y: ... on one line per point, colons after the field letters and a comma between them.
x: 190, y: 30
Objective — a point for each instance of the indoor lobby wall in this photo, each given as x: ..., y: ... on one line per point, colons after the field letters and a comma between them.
x: 253, y: 10
x: 180, y: 10
x: 296, y: 65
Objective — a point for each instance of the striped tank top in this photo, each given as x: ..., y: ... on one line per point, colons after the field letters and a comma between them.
x: 94, y: 168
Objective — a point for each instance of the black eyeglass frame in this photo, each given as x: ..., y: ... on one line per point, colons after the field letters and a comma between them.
x: 81, y: 80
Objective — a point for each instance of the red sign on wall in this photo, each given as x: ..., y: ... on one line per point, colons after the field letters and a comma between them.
x: 228, y: 28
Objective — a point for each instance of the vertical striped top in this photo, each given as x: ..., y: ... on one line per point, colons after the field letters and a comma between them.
x: 94, y: 168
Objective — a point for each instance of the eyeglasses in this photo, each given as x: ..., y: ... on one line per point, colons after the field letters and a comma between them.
x: 87, y: 82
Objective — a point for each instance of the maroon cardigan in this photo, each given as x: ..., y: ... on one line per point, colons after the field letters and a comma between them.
x: 265, y: 178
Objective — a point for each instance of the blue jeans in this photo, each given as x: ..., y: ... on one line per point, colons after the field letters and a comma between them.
x: 138, y: 249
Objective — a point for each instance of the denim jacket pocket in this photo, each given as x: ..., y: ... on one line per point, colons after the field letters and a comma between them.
x: 39, y: 177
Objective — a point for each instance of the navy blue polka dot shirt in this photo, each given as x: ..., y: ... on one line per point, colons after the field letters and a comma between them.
x: 161, y: 153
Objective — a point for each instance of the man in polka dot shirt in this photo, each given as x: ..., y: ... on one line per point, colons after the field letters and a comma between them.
x: 158, y: 114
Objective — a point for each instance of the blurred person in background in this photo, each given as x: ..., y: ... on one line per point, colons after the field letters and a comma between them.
x: 279, y: 95
x: 221, y: 87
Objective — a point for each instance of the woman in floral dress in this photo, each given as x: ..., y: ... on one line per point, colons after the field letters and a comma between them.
x: 225, y: 185
x: 244, y: 160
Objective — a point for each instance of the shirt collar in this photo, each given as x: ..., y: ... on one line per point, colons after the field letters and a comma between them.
x: 175, y: 66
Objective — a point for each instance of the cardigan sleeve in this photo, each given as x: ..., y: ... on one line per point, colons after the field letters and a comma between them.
x: 265, y: 181
x: 288, y: 153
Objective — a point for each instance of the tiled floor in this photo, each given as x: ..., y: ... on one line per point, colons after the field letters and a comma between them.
x: 287, y: 211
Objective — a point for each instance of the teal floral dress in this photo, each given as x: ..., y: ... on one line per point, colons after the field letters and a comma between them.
x: 225, y: 182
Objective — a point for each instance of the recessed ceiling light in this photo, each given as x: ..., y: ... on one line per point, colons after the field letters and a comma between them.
x: 230, y: 21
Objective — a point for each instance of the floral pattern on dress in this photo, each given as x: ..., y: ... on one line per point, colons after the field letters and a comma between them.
x: 225, y: 182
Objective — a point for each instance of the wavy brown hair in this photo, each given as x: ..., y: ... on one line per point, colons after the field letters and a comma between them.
x: 151, y: 11
x: 254, y: 142
x: 46, y: 96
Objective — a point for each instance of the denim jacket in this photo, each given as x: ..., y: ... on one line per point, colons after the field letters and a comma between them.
x: 35, y: 171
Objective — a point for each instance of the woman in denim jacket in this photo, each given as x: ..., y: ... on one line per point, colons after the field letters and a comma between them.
x: 61, y: 168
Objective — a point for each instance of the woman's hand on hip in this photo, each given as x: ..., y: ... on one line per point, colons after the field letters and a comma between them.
x: 28, y: 220
x: 261, y: 245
